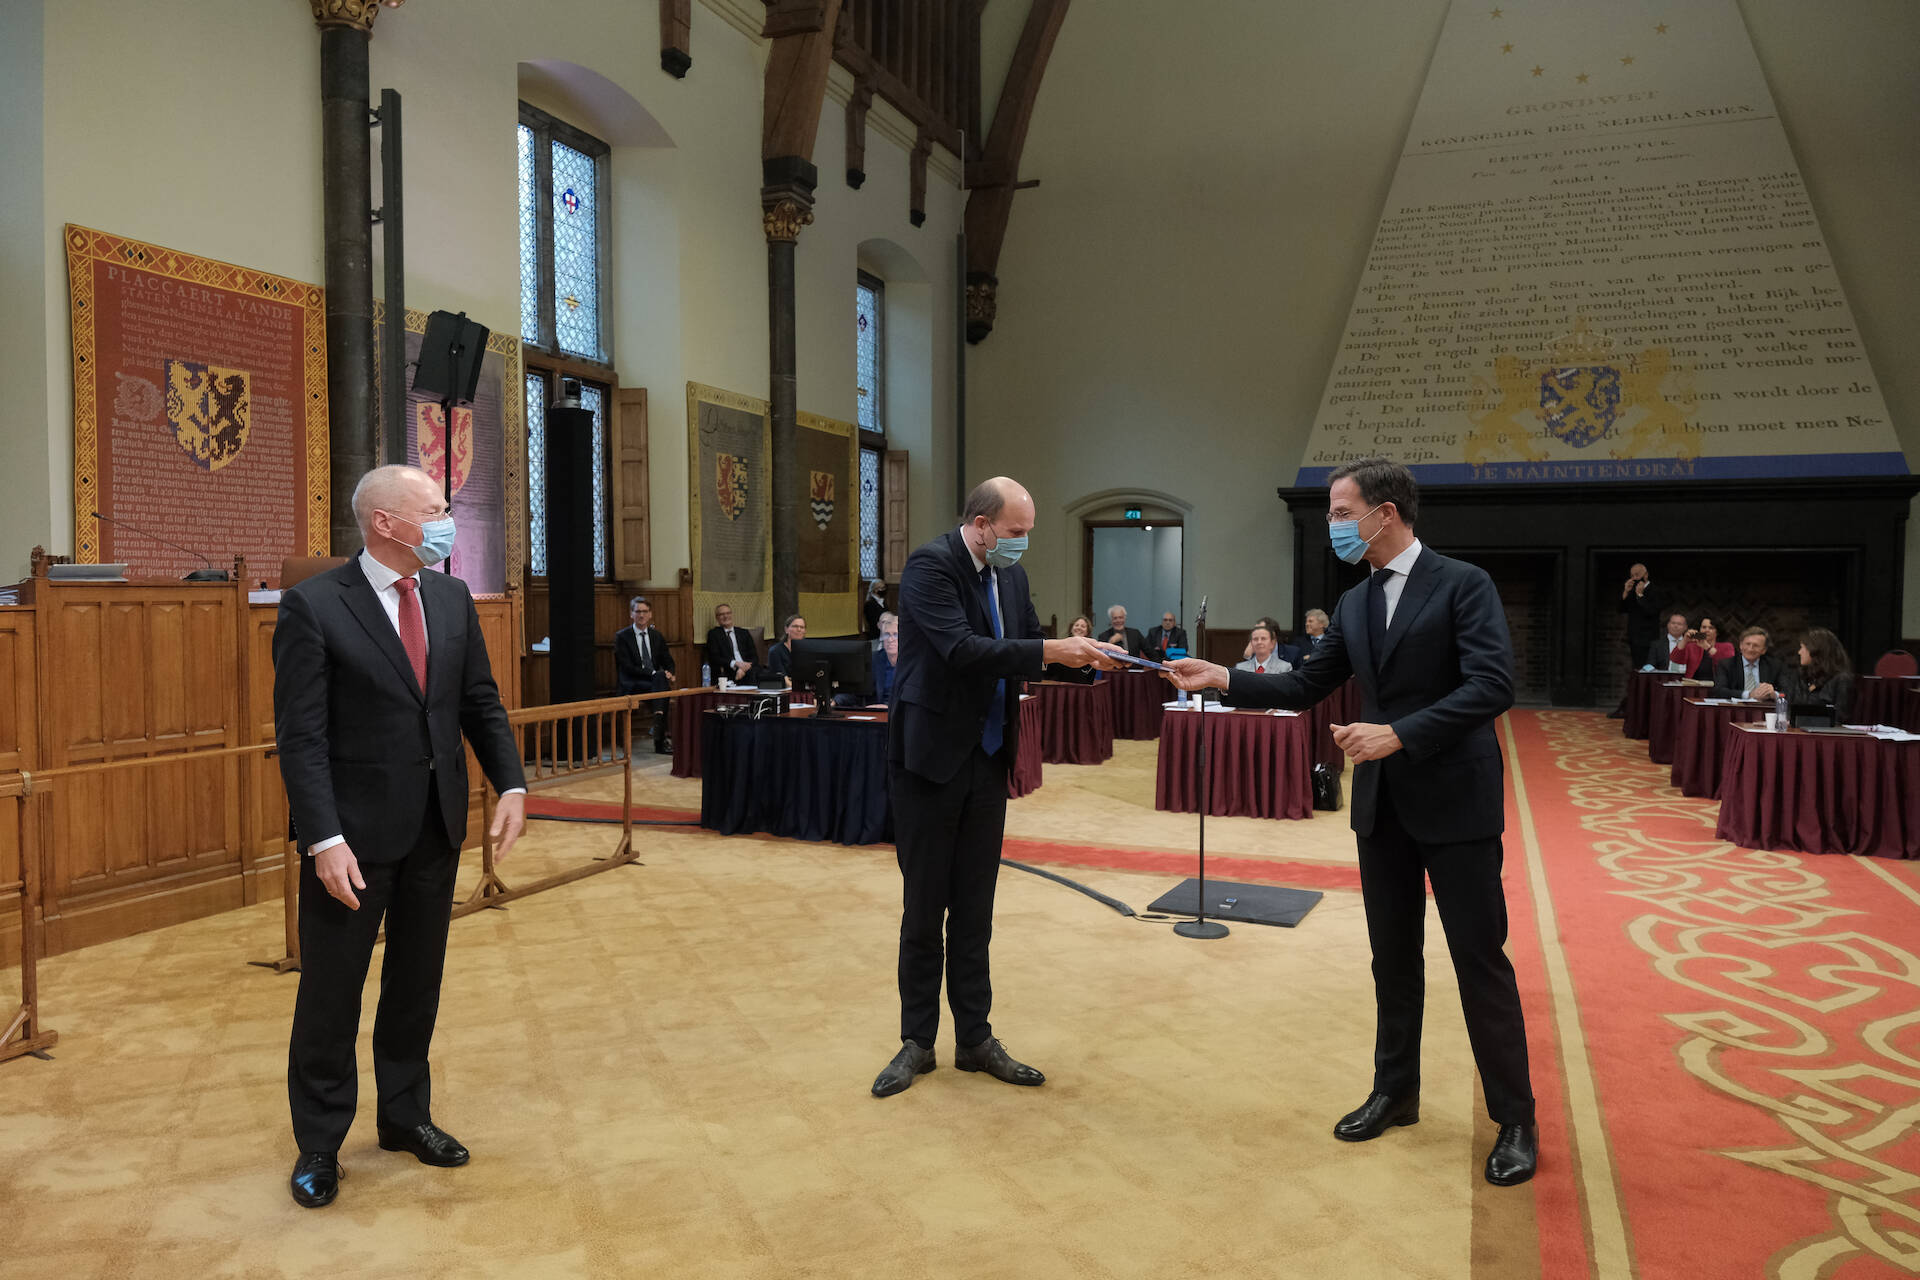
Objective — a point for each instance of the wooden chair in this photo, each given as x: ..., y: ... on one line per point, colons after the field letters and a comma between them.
x: 297, y: 569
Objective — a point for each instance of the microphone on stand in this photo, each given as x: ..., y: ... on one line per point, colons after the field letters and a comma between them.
x: 1200, y: 926
x: 208, y: 574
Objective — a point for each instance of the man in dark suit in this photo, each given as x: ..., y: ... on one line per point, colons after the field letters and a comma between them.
x: 1427, y: 639
x: 643, y: 663
x: 1119, y: 633
x: 968, y: 636
x: 1665, y: 648
x: 1751, y: 673
x: 1313, y: 635
x: 1643, y: 622
x: 1169, y: 635
x: 379, y: 670
x: 730, y: 649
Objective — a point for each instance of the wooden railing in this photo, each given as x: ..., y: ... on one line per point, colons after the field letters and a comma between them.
x: 923, y: 56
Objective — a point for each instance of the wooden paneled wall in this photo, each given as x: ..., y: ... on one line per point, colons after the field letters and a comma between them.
x: 150, y: 669
x: 672, y: 616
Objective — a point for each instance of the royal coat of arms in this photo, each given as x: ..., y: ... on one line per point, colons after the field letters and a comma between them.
x: 1580, y: 403
x: 821, y: 491
x: 430, y: 442
x: 209, y: 410
x: 730, y: 484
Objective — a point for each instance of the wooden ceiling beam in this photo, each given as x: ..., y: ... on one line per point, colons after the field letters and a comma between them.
x: 995, y: 176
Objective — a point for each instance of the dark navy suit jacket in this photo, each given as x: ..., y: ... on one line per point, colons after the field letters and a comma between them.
x: 950, y: 660
x: 1442, y: 678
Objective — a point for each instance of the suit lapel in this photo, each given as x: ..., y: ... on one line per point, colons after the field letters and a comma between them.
x: 372, y: 616
x: 975, y: 601
x: 440, y: 655
x: 1413, y: 598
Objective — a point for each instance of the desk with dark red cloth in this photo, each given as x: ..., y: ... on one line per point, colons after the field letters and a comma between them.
x: 1699, y: 743
x: 1076, y: 721
x: 1820, y: 793
x: 1663, y: 716
x: 1024, y: 777
x: 1641, y: 687
x: 1340, y: 707
x: 686, y: 724
x: 1139, y: 700
x: 1259, y: 764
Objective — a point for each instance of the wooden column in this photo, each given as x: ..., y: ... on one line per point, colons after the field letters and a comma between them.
x: 802, y: 32
x: 346, y: 29
x: 676, y: 37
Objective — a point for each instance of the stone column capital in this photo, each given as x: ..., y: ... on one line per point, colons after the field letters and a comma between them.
x: 357, y: 15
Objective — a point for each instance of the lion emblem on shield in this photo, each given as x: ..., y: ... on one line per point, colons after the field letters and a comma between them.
x: 209, y: 410
x: 430, y: 442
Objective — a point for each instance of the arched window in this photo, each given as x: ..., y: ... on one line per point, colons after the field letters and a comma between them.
x: 870, y: 315
x: 563, y: 324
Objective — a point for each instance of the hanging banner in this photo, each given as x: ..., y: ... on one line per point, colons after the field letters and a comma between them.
x: 1597, y: 262
x: 829, y: 468
x: 730, y: 457
x: 199, y: 410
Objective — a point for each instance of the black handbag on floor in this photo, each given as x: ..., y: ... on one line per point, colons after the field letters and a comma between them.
x: 1326, y: 788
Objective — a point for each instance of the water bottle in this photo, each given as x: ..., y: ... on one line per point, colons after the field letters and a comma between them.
x: 1779, y: 711
x: 706, y: 675
x: 1183, y: 700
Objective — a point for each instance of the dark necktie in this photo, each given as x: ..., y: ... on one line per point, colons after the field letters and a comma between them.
x: 1377, y: 612
x: 646, y: 653
x: 994, y: 731
x: 413, y: 629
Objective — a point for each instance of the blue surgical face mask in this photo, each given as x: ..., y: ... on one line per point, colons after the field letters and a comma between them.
x: 436, y: 539
x: 1347, y: 542
x: 1005, y: 553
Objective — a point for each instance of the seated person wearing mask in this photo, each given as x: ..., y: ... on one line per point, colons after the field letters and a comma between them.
x: 780, y: 653
x: 1080, y: 626
x: 1824, y: 676
x: 730, y: 649
x: 1751, y: 673
x: 1118, y: 632
x: 1263, y: 657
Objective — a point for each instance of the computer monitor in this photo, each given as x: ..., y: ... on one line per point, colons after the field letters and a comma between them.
x: 846, y: 661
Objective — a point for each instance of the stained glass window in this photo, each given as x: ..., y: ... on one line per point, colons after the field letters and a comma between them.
x: 869, y: 514
x: 576, y: 253
x: 594, y: 400
x: 529, y: 242
x: 537, y: 473
x: 562, y: 231
x: 869, y: 349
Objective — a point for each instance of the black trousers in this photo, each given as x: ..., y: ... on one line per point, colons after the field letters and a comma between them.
x: 1473, y: 913
x: 415, y: 895
x: 948, y: 838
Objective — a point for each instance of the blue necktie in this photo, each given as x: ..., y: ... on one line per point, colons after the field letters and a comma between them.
x: 992, y: 734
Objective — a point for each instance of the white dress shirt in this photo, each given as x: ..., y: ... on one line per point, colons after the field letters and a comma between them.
x: 382, y: 580
x: 735, y: 642
x: 1400, y: 566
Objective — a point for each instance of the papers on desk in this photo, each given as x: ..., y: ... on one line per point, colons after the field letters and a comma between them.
x: 1211, y: 706
x: 1730, y: 702
x: 1885, y: 732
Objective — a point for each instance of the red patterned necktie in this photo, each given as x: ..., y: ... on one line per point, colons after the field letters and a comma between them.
x: 1260, y: 670
x: 413, y: 629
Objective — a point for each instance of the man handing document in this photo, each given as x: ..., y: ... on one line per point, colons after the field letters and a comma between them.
x: 968, y: 636
x: 1427, y: 639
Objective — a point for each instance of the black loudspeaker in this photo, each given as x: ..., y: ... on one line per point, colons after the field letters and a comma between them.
x: 450, y: 356
x: 570, y: 551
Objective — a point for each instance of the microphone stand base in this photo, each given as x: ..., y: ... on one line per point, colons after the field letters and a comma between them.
x: 1200, y: 929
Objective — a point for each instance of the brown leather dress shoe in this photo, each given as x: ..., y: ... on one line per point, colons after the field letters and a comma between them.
x: 991, y: 1057
x: 429, y: 1143
x: 316, y: 1179
x: 911, y: 1061
x: 1376, y: 1115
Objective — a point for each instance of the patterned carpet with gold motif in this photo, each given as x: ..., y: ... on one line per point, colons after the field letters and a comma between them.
x: 663, y: 1070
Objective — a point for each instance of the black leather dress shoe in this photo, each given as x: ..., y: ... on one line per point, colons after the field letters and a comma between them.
x: 429, y: 1143
x: 1376, y: 1115
x: 664, y: 747
x: 911, y: 1061
x: 991, y: 1057
x: 1516, y: 1152
x: 316, y: 1179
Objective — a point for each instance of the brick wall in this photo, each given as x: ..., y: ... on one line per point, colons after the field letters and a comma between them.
x: 1525, y: 582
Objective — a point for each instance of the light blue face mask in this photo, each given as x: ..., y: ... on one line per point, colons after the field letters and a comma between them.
x: 1347, y: 542
x: 1005, y: 553
x: 436, y: 539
